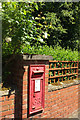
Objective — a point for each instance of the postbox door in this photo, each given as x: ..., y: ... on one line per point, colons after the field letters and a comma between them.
x: 36, y: 89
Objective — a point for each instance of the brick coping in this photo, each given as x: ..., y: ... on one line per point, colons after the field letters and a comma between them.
x: 37, y: 57
x: 50, y: 87
x: 63, y: 85
x: 6, y: 92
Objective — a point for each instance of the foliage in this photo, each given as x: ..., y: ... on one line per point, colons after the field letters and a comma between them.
x: 63, y: 23
x: 57, y: 52
x: 19, y: 24
x: 25, y: 23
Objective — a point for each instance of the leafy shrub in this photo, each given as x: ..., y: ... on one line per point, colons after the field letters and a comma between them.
x: 57, y: 52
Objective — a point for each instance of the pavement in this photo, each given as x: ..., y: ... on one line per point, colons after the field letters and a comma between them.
x: 75, y: 115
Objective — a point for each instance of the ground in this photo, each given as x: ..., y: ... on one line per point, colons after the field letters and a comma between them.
x: 75, y: 115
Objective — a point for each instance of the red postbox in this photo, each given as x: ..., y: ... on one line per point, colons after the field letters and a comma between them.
x: 36, y: 88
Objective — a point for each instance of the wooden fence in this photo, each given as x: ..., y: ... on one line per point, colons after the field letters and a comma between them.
x: 60, y: 71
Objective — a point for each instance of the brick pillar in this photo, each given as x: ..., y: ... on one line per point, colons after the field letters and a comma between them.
x: 25, y: 93
x: 25, y: 84
x: 46, y: 90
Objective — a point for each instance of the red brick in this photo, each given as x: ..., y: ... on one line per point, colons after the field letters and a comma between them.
x: 46, y: 84
x: 24, y: 87
x: 7, y: 102
x: 36, y: 116
x: 0, y: 114
x: 0, y: 108
x: 0, y: 104
x: 5, y: 108
x: 11, y: 107
x: 7, y: 112
x: 57, y: 115
x: 24, y: 102
x: 45, y: 113
x: 24, y: 92
x: 54, y: 113
x: 11, y: 97
x: 46, y: 80
x: 46, y: 88
x: 24, y: 82
x: 46, y: 71
x: 24, y: 97
x: 2, y: 98
x: 24, y: 116
x: 25, y: 73
x: 47, y: 66
x: 25, y: 77
x: 46, y: 75
x: 10, y: 116
x: 26, y: 67
x: 46, y: 108
x: 66, y: 101
x: 24, y: 106
x: 51, y: 104
x: 24, y: 111
x: 45, y: 116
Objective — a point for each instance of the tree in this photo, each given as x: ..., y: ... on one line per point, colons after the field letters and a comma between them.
x: 19, y: 27
x: 24, y: 24
x: 63, y: 23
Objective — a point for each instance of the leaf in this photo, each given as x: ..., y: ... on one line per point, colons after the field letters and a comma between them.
x: 26, y: 42
x: 43, y: 18
x: 36, y: 6
x: 37, y: 18
x: 24, y: 12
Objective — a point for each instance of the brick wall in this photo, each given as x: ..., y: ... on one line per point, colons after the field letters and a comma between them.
x: 79, y: 70
x: 7, y: 106
x: 58, y: 104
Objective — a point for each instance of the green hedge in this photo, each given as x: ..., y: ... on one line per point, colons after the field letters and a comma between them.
x: 57, y: 52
